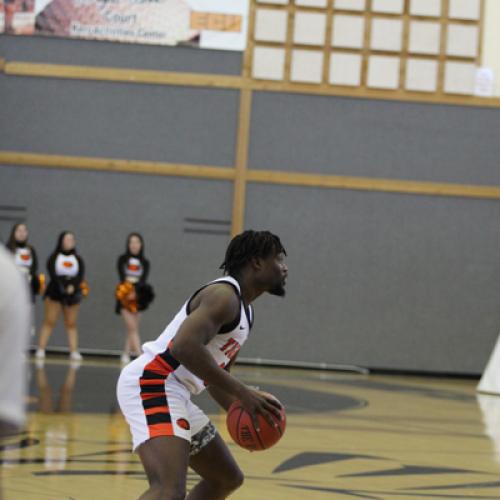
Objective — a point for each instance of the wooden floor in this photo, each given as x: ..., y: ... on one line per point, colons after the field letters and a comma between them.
x: 348, y: 437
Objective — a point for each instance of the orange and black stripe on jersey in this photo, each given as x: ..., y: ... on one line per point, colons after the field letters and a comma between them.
x: 154, y: 398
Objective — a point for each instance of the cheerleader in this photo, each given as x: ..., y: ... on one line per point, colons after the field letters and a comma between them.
x: 25, y: 256
x: 64, y: 293
x: 133, y: 293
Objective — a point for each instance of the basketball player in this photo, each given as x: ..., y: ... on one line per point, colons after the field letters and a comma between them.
x: 194, y: 352
x: 14, y: 329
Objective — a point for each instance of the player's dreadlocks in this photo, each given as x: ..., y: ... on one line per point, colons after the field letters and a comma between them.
x: 248, y: 245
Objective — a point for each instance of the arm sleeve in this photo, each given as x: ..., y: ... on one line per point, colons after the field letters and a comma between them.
x: 34, y: 264
x: 77, y: 280
x: 81, y: 271
x: 145, y: 274
x: 121, y: 267
x: 51, y: 267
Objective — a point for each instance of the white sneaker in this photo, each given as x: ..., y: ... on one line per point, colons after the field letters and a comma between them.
x: 75, y: 364
x: 40, y: 354
x: 75, y: 356
x: 124, y: 358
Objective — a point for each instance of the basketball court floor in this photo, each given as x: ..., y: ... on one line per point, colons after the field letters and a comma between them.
x: 348, y: 436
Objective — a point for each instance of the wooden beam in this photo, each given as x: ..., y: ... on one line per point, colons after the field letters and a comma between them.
x: 122, y: 75
x: 365, y: 93
x: 116, y: 165
x: 327, y: 46
x: 373, y: 184
x: 235, y: 82
x: 11, y: 158
x: 239, y: 195
x: 243, y: 138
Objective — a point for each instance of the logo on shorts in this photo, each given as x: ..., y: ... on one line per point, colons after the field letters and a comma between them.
x: 183, y: 424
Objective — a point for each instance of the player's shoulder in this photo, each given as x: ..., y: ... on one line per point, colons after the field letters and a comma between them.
x: 220, y: 295
x: 221, y: 290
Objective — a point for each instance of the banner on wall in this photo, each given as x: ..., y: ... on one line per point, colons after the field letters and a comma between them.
x: 211, y: 24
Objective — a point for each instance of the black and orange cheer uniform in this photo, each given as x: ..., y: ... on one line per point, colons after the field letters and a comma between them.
x: 65, y: 269
x: 27, y: 262
x: 135, y: 269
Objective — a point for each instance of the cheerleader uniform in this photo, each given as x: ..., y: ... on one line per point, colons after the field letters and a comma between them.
x: 65, y: 268
x: 135, y: 270
x: 27, y: 262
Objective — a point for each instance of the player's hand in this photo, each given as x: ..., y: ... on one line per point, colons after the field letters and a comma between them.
x: 261, y: 402
x: 273, y: 399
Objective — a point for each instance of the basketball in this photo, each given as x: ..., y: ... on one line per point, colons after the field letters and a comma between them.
x: 242, y: 431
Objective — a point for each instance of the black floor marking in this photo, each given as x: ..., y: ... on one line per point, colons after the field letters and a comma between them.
x: 307, y: 459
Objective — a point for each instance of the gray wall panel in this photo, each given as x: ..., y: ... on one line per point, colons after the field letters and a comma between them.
x: 144, y: 122
x: 342, y: 136
x: 376, y: 279
x: 380, y: 280
x: 102, y: 208
x: 119, y: 55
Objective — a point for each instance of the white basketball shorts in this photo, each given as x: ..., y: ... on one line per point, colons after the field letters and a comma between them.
x: 155, y: 403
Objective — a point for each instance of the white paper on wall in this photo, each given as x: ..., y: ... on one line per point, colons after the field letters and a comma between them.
x: 485, y: 82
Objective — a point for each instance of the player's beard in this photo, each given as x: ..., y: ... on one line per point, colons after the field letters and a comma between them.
x: 278, y: 290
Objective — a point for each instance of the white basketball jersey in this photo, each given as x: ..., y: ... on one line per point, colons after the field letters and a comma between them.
x: 223, y: 347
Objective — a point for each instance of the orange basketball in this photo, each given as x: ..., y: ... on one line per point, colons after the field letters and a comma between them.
x: 241, y: 429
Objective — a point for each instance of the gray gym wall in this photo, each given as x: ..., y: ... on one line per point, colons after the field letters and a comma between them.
x: 381, y: 280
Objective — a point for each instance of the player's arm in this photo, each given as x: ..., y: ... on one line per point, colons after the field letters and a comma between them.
x: 224, y: 399
x: 218, y: 305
